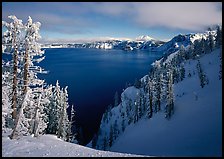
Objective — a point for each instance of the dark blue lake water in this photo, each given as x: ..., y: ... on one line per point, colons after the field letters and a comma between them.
x: 93, y: 76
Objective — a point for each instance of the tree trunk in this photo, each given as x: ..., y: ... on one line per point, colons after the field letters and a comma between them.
x: 36, y: 117
x: 18, y: 118
x: 14, y: 86
x: 26, y: 70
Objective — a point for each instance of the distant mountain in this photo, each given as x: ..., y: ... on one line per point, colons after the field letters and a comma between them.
x: 144, y: 38
x: 143, y: 42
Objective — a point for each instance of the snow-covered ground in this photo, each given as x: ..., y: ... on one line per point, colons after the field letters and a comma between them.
x: 195, y: 129
x: 51, y: 146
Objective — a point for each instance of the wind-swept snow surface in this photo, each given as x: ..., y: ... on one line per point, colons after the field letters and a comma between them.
x: 51, y: 146
x: 195, y: 129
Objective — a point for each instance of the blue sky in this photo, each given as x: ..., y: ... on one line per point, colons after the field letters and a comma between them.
x: 87, y: 21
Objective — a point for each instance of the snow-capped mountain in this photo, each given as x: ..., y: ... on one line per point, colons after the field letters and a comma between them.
x: 185, y: 40
x: 144, y: 38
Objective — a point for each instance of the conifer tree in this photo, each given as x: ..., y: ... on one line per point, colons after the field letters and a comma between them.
x: 12, y: 41
x: 218, y: 40
x: 169, y: 109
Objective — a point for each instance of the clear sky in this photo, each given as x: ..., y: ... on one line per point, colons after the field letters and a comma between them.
x: 86, y: 21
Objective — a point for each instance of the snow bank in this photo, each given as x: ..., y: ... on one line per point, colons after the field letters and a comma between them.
x: 51, y: 146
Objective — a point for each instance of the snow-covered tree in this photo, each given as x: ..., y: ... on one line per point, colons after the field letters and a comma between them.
x: 32, y: 53
x: 182, y: 72
x: 150, y: 99
x: 169, y: 108
x: 123, y: 126
x: 18, y: 40
x: 11, y: 42
x: 211, y: 41
x: 203, y: 78
x: 71, y: 136
x: 6, y: 105
x: 157, y: 91
x: 218, y: 39
x: 63, y: 122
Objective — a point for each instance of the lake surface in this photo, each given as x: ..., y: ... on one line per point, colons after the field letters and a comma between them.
x: 93, y: 76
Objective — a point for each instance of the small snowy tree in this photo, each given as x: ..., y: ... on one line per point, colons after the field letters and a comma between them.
x: 182, y: 72
x: 71, y: 136
x: 63, y: 123
x: 203, y: 78
x: 218, y: 40
x: 150, y: 98
x: 211, y: 42
x: 157, y: 91
x: 169, y: 109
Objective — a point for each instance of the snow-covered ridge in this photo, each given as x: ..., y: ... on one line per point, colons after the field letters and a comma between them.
x: 51, y: 146
x: 196, y: 126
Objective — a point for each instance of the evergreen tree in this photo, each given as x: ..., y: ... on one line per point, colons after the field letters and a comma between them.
x: 157, y: 91
x: 206, y: 46
x: 71, y: 136
x: 63, y: 120
x: 211, y: 41
x: 218, y: 40
x: 169, y: 109
x: 22, y: 47
x: 201, y: 74
x: 150, y: 96
x: 182, y: 53
x: 182, y: 72
x: 6, y: 105
x: 123, y: 122
x: 12, y: 41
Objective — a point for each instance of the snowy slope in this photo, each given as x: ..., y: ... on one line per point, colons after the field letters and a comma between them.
x: 196, y: 126
x: 51, y: 146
